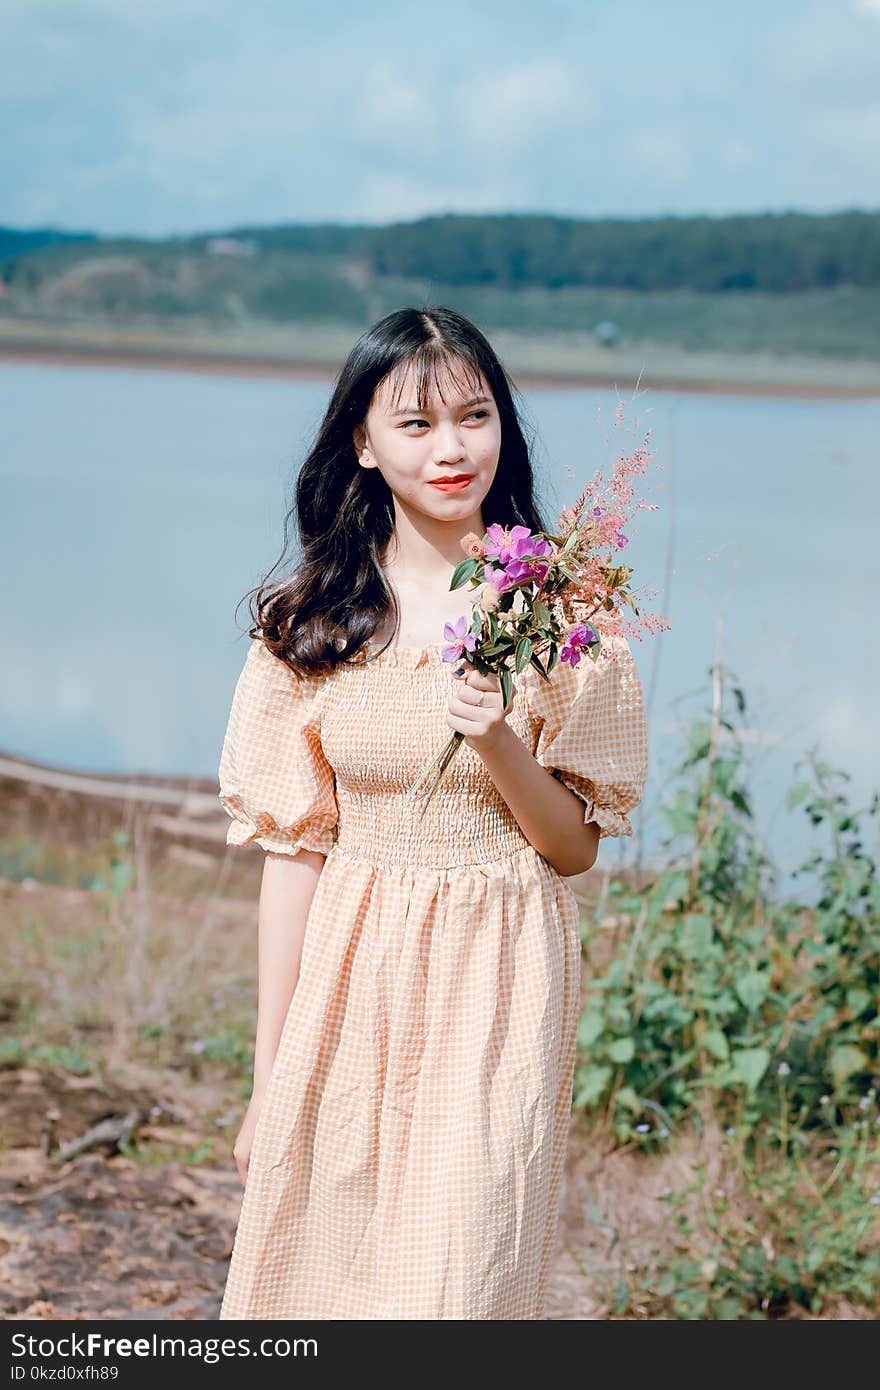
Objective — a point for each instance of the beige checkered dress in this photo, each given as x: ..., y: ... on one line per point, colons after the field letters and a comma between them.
x: 408, y: 1156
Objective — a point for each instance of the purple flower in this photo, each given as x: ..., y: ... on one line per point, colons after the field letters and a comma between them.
x: 528, y: 556
x: 518, y: 570
x: 597, y: 511
x: 460, y: 639
x: 620, y: 540
x: 579, y: 637
x: 496, y: 577
x: 500, y: 545
x: 527, y: 545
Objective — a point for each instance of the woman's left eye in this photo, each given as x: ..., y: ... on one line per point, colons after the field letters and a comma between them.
x: 474, y: 414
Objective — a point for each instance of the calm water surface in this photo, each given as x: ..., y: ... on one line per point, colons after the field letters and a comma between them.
x: 139, y: 507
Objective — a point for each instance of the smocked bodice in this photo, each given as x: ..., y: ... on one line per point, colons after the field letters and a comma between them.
x: 406, y: 690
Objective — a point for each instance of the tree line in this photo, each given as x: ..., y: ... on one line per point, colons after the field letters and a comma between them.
x: 768, y: 251
x: 788, y: 251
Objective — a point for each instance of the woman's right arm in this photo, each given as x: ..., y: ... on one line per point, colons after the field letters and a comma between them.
x: 280, y: 792
x: 288, y: 886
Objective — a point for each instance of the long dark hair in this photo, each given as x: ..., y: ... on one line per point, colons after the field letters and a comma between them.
x: 337, y: 597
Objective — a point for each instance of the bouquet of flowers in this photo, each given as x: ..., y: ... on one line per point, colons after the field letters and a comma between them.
x: 542, y: 595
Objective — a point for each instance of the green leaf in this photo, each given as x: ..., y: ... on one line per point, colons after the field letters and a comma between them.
x: 621, y: 1050
x: 673, y: 886
x: 541, y: 612
x: 629, y: 1098
x: 590, y: 1027
x: 535, y: 661
x: 121, y: 878
x: 715, y: 1042
x: 846, y: 1060
x: 595, y: 1080
x: 749, y: 1065
x: 858, y: 1001
x: 739, y: 800
x: 506, y: 686
x: 797, y: 794
x: 462, y: 573
x: 751, y: 988
x: 523, y: 653
x: 620, y: 1298
x: 695, y: 934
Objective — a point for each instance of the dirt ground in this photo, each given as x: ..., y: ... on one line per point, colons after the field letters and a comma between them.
x: 104, y: 1236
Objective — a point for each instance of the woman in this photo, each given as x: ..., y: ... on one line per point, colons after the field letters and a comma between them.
x: 403, y: 1148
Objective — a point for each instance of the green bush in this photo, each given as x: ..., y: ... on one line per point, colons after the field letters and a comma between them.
x: 774, y: 1240
x: 722, y: 992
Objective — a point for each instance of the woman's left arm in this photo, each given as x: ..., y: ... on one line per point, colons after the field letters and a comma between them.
x: 550, y: 815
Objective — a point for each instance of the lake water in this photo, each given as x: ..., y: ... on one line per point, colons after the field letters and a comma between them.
x: 140, y: 506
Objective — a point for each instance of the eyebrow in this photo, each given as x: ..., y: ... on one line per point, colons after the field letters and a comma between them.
x: 414, y: 410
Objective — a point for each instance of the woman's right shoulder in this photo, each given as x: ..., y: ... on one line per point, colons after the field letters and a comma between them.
x: 265, y: 673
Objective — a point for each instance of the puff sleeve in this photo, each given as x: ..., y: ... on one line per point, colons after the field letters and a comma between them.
x: 275, y: 782
x: 591, y: 732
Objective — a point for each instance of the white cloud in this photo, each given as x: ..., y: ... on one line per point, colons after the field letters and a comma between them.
x: 518, y: 106
x: 841, y: 732
x: 662, y: 153
x: 849, y: 132
x: 823, y: 47
x: 387, y: 197
x: 72, y: 695
x: 391, y: 107
x: 737, y: 153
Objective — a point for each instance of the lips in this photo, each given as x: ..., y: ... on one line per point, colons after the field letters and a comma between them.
x: 455, y: 482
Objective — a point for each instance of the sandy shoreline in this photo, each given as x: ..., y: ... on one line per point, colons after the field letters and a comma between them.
x: 127, y: 357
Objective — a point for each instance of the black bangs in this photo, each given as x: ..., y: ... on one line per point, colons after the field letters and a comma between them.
x: 432, y: 366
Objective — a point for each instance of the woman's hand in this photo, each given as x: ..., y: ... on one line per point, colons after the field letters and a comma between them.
x: 241, y: 1149
x: 476, y: 708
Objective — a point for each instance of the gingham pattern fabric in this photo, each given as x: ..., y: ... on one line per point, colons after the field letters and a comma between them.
x: 408, y: 1156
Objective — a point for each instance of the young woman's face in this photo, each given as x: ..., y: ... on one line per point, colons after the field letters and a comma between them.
x: 459, y: 437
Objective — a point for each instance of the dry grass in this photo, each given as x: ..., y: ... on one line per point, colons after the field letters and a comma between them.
x: 146, y: 984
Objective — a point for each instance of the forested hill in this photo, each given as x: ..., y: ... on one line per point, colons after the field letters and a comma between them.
x: 17, y: 243
x: 774, y: 252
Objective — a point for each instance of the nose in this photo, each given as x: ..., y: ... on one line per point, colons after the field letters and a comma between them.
x: 449, y: 446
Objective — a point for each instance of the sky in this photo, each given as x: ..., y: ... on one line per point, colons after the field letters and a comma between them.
x: 168, y: 117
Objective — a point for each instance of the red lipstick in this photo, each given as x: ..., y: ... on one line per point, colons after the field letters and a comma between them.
x: 453, y: 482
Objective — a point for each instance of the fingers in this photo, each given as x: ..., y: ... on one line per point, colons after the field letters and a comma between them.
x: 470, y: 693
x: 476, y: 680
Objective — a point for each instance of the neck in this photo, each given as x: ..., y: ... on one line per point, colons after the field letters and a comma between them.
x: 426, y: 551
